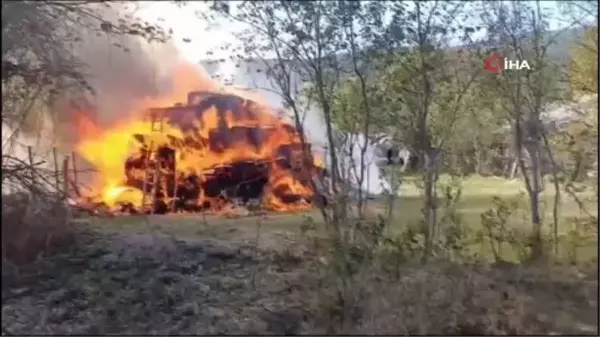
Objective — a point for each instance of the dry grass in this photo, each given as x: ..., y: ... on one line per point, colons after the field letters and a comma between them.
x: 32, y: 228
x: 189, y: 274
x: 143, y: 284
x: 448, y: 299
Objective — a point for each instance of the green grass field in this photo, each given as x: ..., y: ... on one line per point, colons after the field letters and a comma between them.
x: 477, y: 194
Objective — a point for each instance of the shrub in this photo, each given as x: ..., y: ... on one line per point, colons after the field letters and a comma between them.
x: 33, y: 227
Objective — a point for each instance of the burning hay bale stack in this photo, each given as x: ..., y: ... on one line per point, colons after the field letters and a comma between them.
x: 217, y: 152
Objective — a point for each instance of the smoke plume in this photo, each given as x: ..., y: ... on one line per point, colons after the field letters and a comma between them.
x: 124, y: 71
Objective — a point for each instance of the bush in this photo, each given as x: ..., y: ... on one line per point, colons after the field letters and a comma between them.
x: 33, y: 227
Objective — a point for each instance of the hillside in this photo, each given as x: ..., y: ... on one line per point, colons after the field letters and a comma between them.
x: 563, y: 43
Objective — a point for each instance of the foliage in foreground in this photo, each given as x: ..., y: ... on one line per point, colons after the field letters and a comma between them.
x: 137, y: 284
x: 153, y: 284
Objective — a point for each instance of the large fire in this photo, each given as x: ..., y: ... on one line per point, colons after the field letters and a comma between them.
x: 215, y: 150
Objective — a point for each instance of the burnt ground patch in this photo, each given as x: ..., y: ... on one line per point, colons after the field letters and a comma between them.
x: 157, y: 284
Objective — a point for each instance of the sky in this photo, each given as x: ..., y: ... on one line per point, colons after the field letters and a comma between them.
x: 186, y: 25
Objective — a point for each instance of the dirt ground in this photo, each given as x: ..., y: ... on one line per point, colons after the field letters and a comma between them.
x: 124, y: 282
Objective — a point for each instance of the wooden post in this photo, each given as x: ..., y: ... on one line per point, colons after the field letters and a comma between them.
x: 146, y: 166
x: 75, y: 180
x: 56, y: 171
x: 155, y: 184
x: 174, y: 187
x: 66, y: 177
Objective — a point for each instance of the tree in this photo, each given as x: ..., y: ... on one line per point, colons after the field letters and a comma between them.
x: 328, y: 48
x: 40, y: 60
x: 358, y: 118
x: 432, y: 84
x: 40, y: 44
x: 517, y: 30
x: 584, y: 64
x: 317, y: 45
x: 418, y: 92
x: 579, y: 12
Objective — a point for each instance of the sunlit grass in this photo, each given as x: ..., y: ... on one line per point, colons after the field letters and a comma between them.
x: 477, y: 195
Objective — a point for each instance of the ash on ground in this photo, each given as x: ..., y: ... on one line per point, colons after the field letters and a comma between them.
x: 155, y: 285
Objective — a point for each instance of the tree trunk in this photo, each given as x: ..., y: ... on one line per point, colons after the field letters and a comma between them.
x: 366, y: 198
x: 394, y: 186
x: 477, y: 157
x: 512, y: 153
x: 557, y: 198
x: 534, y: 197
x: 431, y: 159
x: 512, y: 169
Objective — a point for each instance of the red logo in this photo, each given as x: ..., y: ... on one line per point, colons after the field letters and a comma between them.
x: 494, y: 64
